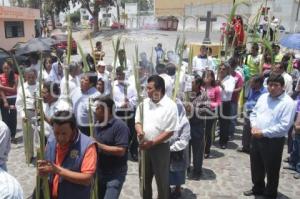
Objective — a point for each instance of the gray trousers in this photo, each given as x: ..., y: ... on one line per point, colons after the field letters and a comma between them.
x: 28, y: 136
x: 246, y: 138
x: 157, y: 163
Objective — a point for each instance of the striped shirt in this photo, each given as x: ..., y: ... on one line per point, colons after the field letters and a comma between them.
x: 4, y: 144
x: 9, y: 186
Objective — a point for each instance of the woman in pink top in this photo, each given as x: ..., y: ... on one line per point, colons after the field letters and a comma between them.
x: 267, y: 66
x: 8, y: 92
x: 214, y: 95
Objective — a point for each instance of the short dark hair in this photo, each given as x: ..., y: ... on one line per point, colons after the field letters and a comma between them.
x: 203, y: 47
x: 171, y: 69
x: 52, y: 87
x: 159, y: 83
x: 198, y: 80
x: 258, y: 79
x: 160, y: 68
x: 98, y: 43
x: 109, y: 103
x: 276, y: 78
x: 119, y: 70
x: 255, y: 46
x: 92, y: 78
x: 63, y: 117
x: 284, y: 65
x: 233, y: 61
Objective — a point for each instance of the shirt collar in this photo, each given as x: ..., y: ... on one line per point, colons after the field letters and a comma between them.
x: 280, y: 97
x: 162, y: 102
x: 91, y: 90
x: 109, y: 123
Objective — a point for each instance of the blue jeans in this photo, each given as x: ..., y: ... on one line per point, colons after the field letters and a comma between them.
x: 295, y: 154
x: 110, y: 185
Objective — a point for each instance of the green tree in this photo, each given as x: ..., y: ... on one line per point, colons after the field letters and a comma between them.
x: 33, y: 3
x: 75, y: 17
x: 92, y: 6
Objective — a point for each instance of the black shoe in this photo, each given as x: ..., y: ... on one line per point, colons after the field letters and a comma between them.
x: 290, y: 167
x: 297, y: 176
x: 195, y: 176
x: 252, y: 193
x: 206, y: 156
x: 175, y: 195
x: 242, y: 150
x: 223, y: 146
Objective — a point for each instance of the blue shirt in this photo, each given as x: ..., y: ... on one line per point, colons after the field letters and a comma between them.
x: 274, y: 116
x: 253, y: 97
x: 114, y: 133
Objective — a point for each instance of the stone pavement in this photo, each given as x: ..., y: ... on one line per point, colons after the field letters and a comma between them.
x: 225, y: 175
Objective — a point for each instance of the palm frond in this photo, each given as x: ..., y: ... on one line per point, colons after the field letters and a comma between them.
x: 84, y: 61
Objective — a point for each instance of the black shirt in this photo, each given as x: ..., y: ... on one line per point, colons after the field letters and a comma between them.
x: 115, y: 133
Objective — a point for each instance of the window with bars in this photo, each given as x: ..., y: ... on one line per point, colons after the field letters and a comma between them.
x: 14, y: 29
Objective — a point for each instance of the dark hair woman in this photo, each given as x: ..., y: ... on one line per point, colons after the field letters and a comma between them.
x: 8, y: 91
x: 214, y: 95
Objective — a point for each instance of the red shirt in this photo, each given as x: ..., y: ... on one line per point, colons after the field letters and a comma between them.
x: 4, y: 82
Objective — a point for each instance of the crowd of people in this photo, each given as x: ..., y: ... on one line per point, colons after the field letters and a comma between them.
x: 94, y: 121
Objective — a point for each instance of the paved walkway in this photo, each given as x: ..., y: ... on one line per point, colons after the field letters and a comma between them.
x: 225, y: 175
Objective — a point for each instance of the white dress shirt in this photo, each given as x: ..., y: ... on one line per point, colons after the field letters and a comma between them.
x: 201, y: 64
x: 169, y: 84
x: 288, y: 83
x: 31, y: 91
x: 107, y: 83
x: 4, y: 144
x: 10, y: 188
x: 158, y: 117
x: 74, y: 83
x: 49, y: 110
x: 228, y: 83
x: 119, y: 95
x: 274, y: 116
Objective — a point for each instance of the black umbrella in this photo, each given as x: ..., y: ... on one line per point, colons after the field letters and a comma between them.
x: 39, y: 44
x: 4, y: 54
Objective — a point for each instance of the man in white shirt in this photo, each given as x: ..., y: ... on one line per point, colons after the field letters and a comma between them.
x: 9, y: 186
x: 104, y: 75
x: 31, y: 94
x: 280, y: 69
x: 74, y: 83
x: 50, y: 94
x: 124, y: 62
x: 227, y: 83
x: 201, y: 62
x: 125, y: 98
x: 169, y: 82
x: 154, y: 128
x: 4, y: 144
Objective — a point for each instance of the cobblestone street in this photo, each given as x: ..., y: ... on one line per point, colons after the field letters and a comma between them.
x: 225, y: 175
